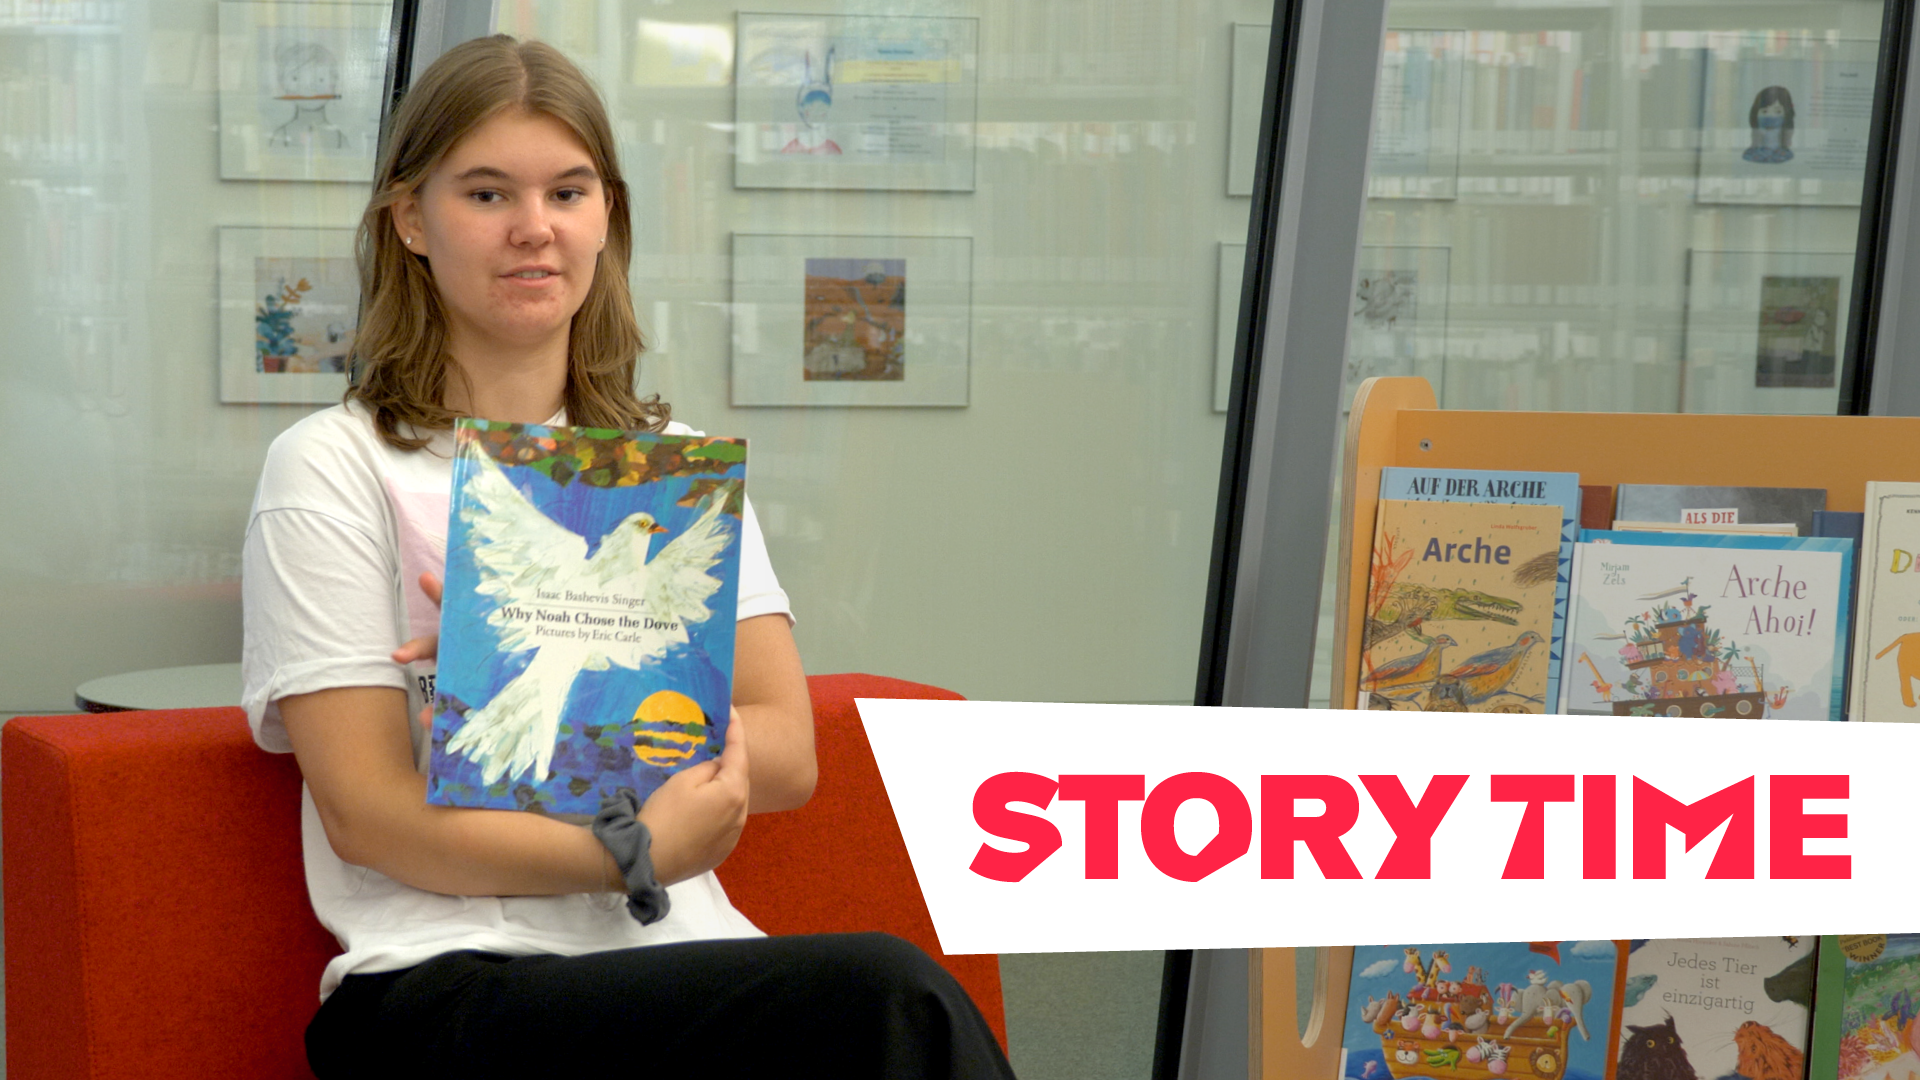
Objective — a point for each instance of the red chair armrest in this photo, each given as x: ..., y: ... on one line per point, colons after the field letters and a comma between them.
x: 157, y: 922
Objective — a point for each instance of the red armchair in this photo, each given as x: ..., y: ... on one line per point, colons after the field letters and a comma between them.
x: 157, y: 923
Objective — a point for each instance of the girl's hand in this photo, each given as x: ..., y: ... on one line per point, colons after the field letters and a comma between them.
x: 423, y: 648
x: 696, y: 816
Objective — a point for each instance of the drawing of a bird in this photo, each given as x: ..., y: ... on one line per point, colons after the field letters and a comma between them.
x: 1409, y: 674
x: 525, y: 559
x: 1485, y: 675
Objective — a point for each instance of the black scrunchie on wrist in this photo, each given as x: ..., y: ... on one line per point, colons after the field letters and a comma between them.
x: 627, y: 838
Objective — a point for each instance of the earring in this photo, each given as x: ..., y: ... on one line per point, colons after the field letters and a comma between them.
x: 408, y: 241
x: 603, y: 241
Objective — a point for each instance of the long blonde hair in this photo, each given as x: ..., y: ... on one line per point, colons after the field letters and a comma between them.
x: 400, y: 349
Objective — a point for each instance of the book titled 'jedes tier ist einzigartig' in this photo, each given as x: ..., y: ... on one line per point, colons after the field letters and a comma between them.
x: 586, y: 636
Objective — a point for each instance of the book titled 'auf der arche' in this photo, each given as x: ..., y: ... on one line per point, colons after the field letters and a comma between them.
x: 587, y: 630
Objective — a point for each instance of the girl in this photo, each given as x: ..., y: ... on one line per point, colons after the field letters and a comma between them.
x: 493, y: 260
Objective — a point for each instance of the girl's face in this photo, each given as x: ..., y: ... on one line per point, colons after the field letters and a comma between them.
x: 511, y: 224
x: 1774, y: 111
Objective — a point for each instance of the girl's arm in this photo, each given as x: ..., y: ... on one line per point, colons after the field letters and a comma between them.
x: 771, y: 702
x: 357, y: 759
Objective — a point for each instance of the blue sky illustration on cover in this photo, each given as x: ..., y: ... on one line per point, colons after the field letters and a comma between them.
x: 587, y: 628
x: 1540, y: 1009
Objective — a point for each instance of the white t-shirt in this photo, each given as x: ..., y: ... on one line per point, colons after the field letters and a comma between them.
x: 342, y: 527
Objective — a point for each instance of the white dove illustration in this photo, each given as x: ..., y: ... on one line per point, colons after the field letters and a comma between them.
x: 522, y: 552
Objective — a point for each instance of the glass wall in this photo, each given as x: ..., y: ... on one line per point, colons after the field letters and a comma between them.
x: 1006, y: 483
x: 1636, y: 206
x: 156, y: 158
x: 1631, y: 206
x: 1031, y: 521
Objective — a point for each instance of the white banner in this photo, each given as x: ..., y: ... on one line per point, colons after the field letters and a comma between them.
x: 1068, y: 828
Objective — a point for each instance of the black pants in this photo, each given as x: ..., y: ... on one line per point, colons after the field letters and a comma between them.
x: 853, y: 1005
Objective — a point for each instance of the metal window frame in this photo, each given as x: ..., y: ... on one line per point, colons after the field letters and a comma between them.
x: 1303, y: 240
x: 1276, y: 474
x: 420, y: 31
x: 1886, y: 199
x: 1885, y: 361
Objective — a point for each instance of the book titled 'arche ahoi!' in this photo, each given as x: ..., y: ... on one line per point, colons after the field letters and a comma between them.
x: 1746, y: 627
x: 587, y: 630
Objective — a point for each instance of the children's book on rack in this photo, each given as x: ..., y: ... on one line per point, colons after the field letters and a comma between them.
x: 1507, y: 486
x: 1666, y: 624
x: 1541, y: 1010
x: 1705, y: 505
x: 1865, y: 1007
x: 1886, y: 649
x: 586, y: 637
x: 1461, y: 605
x: 1717, y: 1007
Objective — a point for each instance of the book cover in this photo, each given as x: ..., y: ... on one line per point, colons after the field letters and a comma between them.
x: 1460, y: 607
x: 1886, y: 636
x: 1716, y: 1007
x: 1671, y: 502
x: 586, y: 635
x: 1506, y: 486
x: 1864, y: 1008
x: 1669, y: 624
x: 1540, y: 1010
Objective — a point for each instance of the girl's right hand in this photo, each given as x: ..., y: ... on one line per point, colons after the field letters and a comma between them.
x: 696, y: 816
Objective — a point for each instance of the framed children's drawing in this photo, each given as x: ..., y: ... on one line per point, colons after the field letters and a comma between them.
x: 289, y: 304
x: 300, y: 89
x: 866, y: 102
x: 1786, y: 123
x: 1399, y: 315
x: 1765, y: 331
x: 851, y: 320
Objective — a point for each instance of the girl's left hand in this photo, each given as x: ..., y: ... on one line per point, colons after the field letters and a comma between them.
x: 423, y: 648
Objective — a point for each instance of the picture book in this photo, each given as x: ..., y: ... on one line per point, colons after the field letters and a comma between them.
x: 586, y: 635
x: 1671, y: 624
x: 1505, y: 486
x: 1540, y: 1010
x: 1886, y: 632
x: 1460, y: 606
x: 1726, y: 505
x: 1714, y: 1007
x: 1865, y: 1004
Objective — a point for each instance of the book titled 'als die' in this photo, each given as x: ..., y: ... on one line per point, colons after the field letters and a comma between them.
x: 587, y: 630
